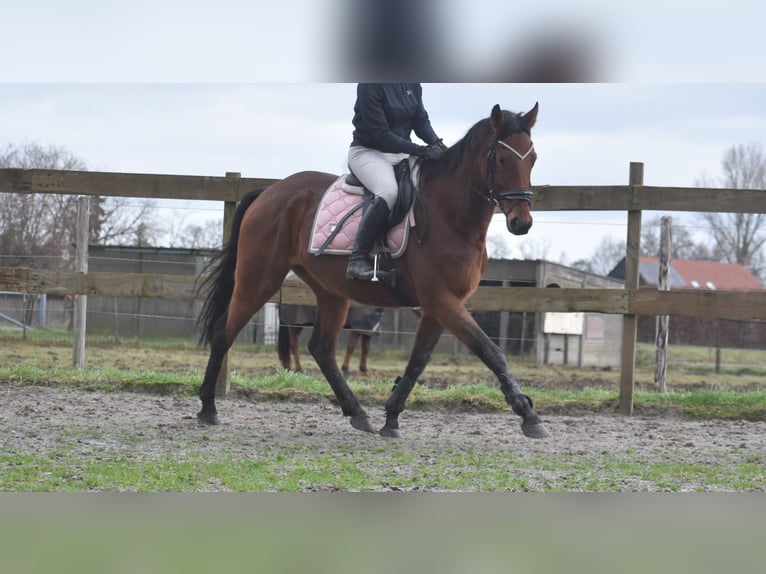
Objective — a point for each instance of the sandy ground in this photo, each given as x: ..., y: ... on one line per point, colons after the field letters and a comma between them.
x: 43, y: 420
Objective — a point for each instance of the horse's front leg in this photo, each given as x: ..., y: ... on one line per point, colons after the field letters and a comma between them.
x: 429, y: 331
x: 459, y: 322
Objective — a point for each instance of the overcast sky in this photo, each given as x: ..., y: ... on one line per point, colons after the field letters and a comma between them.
x: 188, y: 88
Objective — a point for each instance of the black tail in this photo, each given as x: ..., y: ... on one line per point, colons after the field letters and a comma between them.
x: 283, y: 346
x: 219, y: 283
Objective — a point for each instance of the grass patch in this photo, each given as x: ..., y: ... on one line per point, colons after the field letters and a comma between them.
x: 736, y: 370
x: 283, y: 469
x: 450, y: 381
x: 709, y: 403
x: 291, y: 468
x: 282, y: 385
x: 106, y: 379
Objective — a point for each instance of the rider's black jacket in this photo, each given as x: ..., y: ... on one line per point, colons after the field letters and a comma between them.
x: 386, y: 114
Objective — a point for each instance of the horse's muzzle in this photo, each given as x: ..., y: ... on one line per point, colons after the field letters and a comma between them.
x: 519, y: 227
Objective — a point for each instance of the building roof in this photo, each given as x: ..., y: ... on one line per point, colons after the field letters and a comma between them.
x: 685, y: 274
x: 649, y: 272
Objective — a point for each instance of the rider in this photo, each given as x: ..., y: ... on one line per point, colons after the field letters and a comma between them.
x: 384, y: 116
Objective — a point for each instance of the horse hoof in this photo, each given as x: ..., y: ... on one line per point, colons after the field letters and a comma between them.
x: 362, y: 423
x: 534, y: 430
x: 207, y: 418
x: 388, y: 432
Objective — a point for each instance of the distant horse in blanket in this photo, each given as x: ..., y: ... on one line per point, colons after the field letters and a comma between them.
x: 362, y: 322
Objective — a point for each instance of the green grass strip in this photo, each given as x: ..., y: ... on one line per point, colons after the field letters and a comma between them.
x: 699, y: 403
x: 294, y: 468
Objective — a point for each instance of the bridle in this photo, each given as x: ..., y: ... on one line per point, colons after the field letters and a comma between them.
x: 497, y: 196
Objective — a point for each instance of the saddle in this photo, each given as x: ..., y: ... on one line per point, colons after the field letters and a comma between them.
x: 340, y: 211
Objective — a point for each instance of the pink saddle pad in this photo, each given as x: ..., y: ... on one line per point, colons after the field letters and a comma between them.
x: 336, y: 203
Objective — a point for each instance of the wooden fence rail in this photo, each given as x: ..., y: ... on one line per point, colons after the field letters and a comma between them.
x: 632, y: 198
x: 230, y: 189
x: 710, y: 304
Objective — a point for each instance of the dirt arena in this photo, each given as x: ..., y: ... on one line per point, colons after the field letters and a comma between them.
x: 42, y: 420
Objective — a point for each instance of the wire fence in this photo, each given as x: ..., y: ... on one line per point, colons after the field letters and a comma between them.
x: 261, y: 332
x: 123, y: 318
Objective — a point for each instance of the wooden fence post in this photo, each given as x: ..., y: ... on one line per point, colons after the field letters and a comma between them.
x: 663, y: 284
x: 81, y: 265
x: 629, y: 321
x: 223, y: 383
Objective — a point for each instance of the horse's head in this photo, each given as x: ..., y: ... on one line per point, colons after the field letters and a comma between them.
x: 510, y: 160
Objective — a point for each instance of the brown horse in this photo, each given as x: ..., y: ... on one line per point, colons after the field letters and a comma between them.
x: 489, y: 167
x: 361, y: 322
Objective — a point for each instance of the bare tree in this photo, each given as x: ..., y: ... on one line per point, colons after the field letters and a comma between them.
x: 739, y: 237
x: 683, y: 246
x: 497, y: 247
x: 127, y: 221
x: 209, y: 235
x: 179, y: 233
x: 606, y: 256
x: 538, y: 248
x: 37, y: 230
x: 35, y: 156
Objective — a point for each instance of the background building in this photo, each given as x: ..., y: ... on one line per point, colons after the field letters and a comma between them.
x: 703, y: 275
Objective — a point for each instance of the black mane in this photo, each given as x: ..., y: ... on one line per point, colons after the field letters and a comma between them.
x: 454, y: 156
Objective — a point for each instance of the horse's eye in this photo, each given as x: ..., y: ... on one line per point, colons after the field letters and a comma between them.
x: 502, y: 161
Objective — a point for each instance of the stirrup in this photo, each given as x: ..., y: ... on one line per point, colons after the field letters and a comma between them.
x: 374, y: 277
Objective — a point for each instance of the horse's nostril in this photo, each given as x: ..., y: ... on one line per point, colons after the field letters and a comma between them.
x: 517, y: 227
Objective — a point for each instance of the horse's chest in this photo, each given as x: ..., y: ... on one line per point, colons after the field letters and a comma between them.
x: 460, y: 277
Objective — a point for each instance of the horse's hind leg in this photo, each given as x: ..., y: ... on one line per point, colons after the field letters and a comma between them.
x: 218, y: 347
x: 250, y: 294
x: 331, y: 315
x: 429, y: 331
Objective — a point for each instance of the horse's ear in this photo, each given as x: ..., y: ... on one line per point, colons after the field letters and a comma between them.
x: 497, y: 118
x: 530, y: 117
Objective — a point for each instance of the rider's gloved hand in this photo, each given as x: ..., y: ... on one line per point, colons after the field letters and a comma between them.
x: 433, y: 151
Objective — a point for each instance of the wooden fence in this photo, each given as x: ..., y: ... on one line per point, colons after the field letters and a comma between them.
x: 629, y: 302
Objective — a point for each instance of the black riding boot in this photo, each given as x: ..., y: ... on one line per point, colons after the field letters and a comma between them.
x: 373, y: 223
